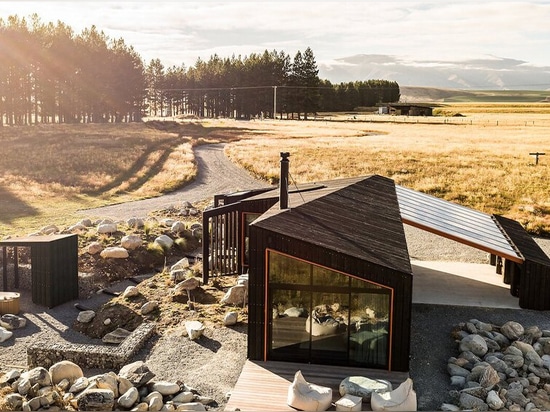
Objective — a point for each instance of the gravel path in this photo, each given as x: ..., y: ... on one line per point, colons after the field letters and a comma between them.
x: 213, y: 364
x: 217, y: 175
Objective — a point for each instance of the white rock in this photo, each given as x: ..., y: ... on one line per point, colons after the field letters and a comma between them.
x: 180, y: 264
x: 131, y: 242
x: 154, y: 400
x: 94, y: 248
x: 363, y: 386
x: 49, y: 230
x: 5, y: 334
x: 235, y: 296
x: 124, y: 384
x: 135, y: 222
x: 85, y: 316
x: 148, y: 307
x: 107, y: 321
x: 494, y: 401
x: 86, y: 223
x: 78, y: 228
x: 194, y: 329
x: 167, y: 222
x: 177, y: 227
x: 164, y: 241
x: 187, y: 284
x: 183, y: 397
x: 11, y: 322
x: 65, y: 370
x: 165, y: 388
x: 130, y: 292
x: 230, y: 318
x: 96, y: 400
x: 129, y: 398
x: 38, y: 375
x: 106, y: 381
x: 114, y: 252
x: 107, y: 228
x: 79, y: 385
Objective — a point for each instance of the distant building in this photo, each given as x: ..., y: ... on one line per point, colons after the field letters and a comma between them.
x: 404, y: 109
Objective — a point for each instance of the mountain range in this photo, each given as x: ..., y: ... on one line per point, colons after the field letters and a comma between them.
x: 486, y: 73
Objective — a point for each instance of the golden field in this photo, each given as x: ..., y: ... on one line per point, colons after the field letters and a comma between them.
x: 479, y: 159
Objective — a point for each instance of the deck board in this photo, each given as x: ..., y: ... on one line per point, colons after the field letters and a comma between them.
x: 262, y: 386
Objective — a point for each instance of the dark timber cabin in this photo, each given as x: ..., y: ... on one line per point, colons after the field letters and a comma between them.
x: 330, y: 279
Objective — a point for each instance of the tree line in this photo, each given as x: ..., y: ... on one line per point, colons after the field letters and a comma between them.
x: 49, y: 74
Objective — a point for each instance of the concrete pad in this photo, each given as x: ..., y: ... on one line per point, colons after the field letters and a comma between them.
x: 460, y: 283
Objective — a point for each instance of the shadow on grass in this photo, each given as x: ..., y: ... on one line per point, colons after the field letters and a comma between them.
x: 12, y: 207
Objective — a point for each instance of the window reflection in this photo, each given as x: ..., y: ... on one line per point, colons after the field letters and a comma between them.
x: 325, y: 316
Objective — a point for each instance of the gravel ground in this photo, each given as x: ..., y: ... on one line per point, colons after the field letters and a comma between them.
x: 213, y: 363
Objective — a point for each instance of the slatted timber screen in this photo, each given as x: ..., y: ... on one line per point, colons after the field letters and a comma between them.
x: 221, y: 237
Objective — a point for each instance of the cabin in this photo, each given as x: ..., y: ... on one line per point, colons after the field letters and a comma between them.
x: 330, y: 278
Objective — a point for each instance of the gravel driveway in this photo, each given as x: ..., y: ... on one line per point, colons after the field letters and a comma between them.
x: 217, y: 175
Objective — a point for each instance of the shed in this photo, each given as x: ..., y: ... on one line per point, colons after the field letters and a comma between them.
x: 54, y: 267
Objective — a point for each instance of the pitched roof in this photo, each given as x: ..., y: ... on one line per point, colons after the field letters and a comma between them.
x: 359, y: 217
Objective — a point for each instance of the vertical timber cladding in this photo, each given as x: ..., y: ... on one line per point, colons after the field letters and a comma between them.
x: 400, y: 283
x: 54, y: 267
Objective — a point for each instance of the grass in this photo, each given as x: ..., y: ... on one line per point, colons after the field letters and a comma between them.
x: 480, y: 160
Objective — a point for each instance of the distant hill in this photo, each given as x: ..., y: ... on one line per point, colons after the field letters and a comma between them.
x: 489, y: 73
x: 433, y: 94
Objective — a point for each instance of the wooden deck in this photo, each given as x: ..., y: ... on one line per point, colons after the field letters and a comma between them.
x: 262, y: 386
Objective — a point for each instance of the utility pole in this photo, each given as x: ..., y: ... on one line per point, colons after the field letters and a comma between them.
x: 274, y: 102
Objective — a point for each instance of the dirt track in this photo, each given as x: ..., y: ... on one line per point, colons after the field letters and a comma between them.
x: 216, y: 175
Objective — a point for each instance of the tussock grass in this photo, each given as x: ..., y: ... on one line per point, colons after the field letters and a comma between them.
x: 48, y: 172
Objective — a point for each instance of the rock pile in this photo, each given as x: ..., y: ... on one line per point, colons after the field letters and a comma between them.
x: 64, y: 387
x: 500, y: 368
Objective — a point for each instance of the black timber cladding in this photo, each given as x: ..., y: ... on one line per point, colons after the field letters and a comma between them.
x: 54, y: 267
x: 353, y: 227
x: 534, y: 274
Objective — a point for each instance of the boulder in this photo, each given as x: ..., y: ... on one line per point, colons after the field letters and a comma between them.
x: 138, y: 373
x: 85, y: 316
x: 129, y: 398
x: 165, y: 388
x: 94, y: 248
x: 107, y: 228
x: 149, y: 307
x: 475, y: 344
x: 230, y: 318
x: 194, y: 329
x: 65, y: 370
x: 165, y: 242
x: 38, y: 375
x: 96, y: 400
x: 135, y: 223
x: 237, y: 295
x: 512, y: 330
x: 114, y: 252
x: 187, y: 284
x: 178, y: 227
x: 130, y: 292
x: 363, y: 386
x: 5, y: 334
x: 131, y: 242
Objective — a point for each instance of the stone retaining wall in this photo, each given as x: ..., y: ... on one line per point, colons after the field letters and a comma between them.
x: 90, y: 356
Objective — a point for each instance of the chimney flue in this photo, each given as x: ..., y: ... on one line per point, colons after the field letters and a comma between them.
x: 283, y: 181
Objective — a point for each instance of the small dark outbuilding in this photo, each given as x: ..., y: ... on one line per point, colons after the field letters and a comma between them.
x: 407, y: 109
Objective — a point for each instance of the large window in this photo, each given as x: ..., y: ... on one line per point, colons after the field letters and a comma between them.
x: 324, y: 316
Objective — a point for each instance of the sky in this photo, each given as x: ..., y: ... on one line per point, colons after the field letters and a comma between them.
x: 179, y: 32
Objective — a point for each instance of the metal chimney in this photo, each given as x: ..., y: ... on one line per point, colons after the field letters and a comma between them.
x: 283, y: 181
